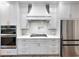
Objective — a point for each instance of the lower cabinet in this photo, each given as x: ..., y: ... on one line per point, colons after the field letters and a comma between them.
x: 38, y: 47
x: 30, y: 47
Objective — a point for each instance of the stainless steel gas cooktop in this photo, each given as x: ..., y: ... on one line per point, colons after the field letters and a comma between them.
x: 38, y: 35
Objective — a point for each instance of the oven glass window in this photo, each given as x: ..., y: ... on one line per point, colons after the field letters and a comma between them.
x: 8, y: 41
x: 8, y: 30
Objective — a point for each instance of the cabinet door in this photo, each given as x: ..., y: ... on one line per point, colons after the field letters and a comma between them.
x: 65, y: 11
x: 9, y: 15
x: 75, y: 11
x: 8, y: 52
x: 39, y: 46
x: 53, y: 13
x: 23, y: 14
x: 23, y: 21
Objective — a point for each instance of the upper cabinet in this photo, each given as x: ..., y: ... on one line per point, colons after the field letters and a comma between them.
x: 69, y: 11
x: 54, y: 13
x: 65, y: 11
x: 75, y: 11
x: 8, y: 16
x: 23, y: 14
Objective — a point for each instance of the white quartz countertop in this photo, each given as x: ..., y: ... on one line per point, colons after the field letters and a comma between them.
x: 28, y: 36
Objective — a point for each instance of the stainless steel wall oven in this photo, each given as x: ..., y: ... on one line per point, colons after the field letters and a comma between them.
x: 8, y: 36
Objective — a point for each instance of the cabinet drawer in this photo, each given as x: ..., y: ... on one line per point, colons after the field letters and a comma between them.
x: 38, y: 46
x: 8, y: 52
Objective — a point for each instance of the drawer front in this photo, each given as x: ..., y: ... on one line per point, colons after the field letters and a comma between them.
x: 38, y: 46
x: 8, y: 52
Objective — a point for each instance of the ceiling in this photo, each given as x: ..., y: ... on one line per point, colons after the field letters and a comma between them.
x: 45, y: 2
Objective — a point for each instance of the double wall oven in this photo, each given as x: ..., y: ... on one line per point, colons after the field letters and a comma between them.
x: 8, y: 36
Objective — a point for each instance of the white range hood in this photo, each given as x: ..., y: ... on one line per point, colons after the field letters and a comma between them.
x: 38, y: 12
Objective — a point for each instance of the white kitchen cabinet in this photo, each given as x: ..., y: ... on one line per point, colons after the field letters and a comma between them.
x: 75, y: 11
x: 54, y: 14
x: 23, y: 14
x: 69, y: 11
x: 9, y: 15
x: 65, y: 11
x: 39, y: 46
x: 23, y: 21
